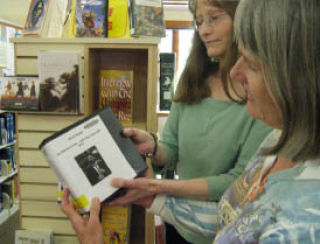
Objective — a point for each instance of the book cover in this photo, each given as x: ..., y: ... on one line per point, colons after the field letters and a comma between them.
x: 116, y: 91
x: 69, y: 24
x: 118, y: 19
x: 88, y: 154
x: 91, y: 18
x: 19, y: 93
x: 56, y: 16
x: 167, y: 67
x: 115, y: 222
x: 147, y: 18
x: 60, y: 81
x: 36, y: 17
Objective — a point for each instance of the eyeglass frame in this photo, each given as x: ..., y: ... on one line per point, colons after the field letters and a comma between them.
x: 209, y: 21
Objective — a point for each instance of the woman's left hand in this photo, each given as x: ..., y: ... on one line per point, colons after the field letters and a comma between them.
x: 141, y: 191
x: 89, y: 231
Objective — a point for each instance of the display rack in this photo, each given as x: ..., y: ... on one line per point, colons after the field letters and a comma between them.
x: 38, y: 184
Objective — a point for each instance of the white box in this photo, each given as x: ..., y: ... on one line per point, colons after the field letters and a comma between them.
x: 33, y: 237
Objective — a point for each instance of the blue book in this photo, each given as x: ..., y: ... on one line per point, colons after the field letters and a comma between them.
x: 91, y: 18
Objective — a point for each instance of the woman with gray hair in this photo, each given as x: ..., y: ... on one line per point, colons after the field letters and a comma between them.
x: 277, y: 199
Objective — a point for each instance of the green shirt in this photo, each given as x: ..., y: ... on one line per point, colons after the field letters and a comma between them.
x: 212, y: 139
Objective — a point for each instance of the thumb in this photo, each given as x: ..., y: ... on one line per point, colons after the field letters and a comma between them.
x: 118, y: 182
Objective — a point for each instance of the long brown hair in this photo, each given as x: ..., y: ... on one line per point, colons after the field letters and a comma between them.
x: 192, y: 86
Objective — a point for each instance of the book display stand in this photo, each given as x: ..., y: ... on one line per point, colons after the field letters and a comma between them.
x: 38, y: 183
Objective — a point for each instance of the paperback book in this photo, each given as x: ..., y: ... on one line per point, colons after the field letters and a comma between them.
x: 167, y: 67
x: 91, y: 18
x: 147, y: 18
x: 115, y: 222
x: 19, y: 93
x: 118, y: 19
x: 116, y: 91
x: 88, y: 154
x: 36, y: 17
x: 60, y: 81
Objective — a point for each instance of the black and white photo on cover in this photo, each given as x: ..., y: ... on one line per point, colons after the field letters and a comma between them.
x: 93, y: 165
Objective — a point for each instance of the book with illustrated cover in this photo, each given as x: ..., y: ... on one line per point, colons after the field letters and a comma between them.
x: 19, y: 93
x: 118, y: 19
x: 91, y: 18
x: 115, y: 222
x: 147, y: 18
x: 89, y: 153
x: 36, y: 17
x: 116, y: 91
x: 167, y: 67
x: 60, y: 81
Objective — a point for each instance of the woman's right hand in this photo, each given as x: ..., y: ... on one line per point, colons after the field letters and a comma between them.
x: 142, y: 139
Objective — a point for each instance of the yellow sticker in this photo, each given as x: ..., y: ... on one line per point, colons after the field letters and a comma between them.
x: 81, y: 202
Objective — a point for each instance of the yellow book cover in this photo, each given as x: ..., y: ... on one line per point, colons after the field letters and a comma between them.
x: 115, y: 223
x: 69, y: 25
x: 118, y: 19
x: 116, y: 91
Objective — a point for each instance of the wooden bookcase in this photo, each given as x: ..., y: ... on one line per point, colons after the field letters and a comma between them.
x: 38, y: 184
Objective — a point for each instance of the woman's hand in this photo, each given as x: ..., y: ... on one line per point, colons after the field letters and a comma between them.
x: 141, y: 191
x: 89, y: 231
x: 142, y: 139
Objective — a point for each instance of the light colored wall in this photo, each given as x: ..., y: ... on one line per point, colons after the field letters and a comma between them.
x: 14, y: 11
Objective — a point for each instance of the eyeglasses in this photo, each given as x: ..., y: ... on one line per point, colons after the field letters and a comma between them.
x: 210, y: 21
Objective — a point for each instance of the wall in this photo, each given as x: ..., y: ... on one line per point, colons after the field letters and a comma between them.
x: 14, y: 11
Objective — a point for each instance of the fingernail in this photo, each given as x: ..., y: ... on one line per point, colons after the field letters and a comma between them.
x: 95, y: 200
x: 115, y: 182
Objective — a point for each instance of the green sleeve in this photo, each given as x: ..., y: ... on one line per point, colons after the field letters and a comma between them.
x: 170, y: 136
x: 252, y: 137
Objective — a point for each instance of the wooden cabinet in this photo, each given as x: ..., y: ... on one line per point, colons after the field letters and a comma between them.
x: 38, y: 184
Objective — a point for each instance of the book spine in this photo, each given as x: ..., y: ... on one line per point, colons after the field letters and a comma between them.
x: 167, y: 67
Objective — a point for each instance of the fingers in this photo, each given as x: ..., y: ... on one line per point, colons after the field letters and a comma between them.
x: 95, y: 210
x: 129, y: 132
x: 118, y: 182
x: 68, y: 208
x: 65, y: 204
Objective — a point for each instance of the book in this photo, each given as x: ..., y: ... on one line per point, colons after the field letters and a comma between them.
x: 69, y: 24
x: 60, y: 81
x: 115, y: 221
x: 118, y: 19
x: 33, y: 236
x: 167, y: 67
x: 91, y: 18
x: 19, y: 93
x: 147, y: 18
x: 116, y: 91
x: 36, y: 17
x: 87, y: 154
x: 55, y: 18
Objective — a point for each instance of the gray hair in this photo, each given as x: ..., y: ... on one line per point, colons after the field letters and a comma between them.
x: 284, y: 35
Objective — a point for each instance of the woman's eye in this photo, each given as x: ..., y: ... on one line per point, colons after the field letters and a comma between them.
x: 252, y: 67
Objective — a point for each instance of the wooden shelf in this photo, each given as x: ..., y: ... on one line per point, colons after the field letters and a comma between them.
x: 38, y: 182
x: 138, y: 40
